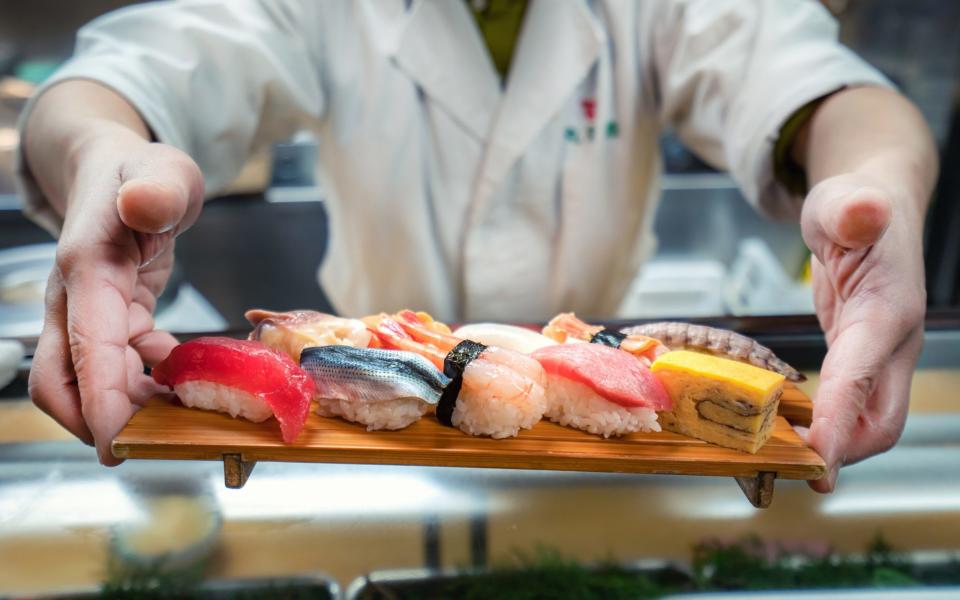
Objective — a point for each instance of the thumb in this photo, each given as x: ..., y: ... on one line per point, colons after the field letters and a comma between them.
x: 161, y: 190
x: 849, y: 217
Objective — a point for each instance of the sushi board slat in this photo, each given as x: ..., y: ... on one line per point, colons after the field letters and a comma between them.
x: 795, y: 406
x: 164, y: 429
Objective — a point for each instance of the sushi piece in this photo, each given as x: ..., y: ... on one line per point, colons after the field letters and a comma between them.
x: 511, y: 337
x: 493, y: 391
x: 601, y: 390
x: 292, y: 331
x: 382, y: 389
x: 720, y: 342
x: 718, y: 400
x: 241, y: 378
x: 566, y: 328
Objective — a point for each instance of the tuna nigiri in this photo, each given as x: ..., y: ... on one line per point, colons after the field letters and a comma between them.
x: 382, y: 389
x: 239, y: 377
x: 601, y: 390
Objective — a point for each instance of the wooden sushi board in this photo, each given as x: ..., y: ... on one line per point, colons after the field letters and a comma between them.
x: 166, y: 430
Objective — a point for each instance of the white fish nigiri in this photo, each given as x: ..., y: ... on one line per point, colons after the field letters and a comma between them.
x: 511, y: 337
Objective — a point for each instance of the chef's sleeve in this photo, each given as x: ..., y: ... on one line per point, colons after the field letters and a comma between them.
x: 216, y: 79
x: 728, y: 74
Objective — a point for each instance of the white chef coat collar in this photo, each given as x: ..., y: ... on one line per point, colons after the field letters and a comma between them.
x: 559, y: 44
x: 440, y: 47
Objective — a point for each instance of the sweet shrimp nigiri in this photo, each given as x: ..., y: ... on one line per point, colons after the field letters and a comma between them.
x: 494, y: 391
x: 566, y: 327
x: 292, y: 331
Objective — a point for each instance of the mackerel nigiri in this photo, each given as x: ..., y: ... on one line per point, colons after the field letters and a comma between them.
x: 240, y: 377
x: 382, y: 389
x: 601, y: 390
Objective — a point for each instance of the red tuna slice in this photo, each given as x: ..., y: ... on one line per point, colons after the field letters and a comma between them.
x: 614, y: 374
x: 248, y: 366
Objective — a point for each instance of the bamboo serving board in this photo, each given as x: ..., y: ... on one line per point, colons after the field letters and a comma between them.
x: 164, y: 429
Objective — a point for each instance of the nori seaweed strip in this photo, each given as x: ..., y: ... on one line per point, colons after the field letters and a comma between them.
x: 453, y: 365
x: 608, y: 337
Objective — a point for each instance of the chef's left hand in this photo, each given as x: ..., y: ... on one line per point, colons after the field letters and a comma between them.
x: 868, y: 282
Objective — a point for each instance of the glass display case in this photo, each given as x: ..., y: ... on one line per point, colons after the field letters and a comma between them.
x: 68, y: 524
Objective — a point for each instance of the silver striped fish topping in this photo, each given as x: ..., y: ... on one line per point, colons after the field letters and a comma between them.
x: 372, y: 374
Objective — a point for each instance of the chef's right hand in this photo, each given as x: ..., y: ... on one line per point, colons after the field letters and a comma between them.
x: 126, y: 201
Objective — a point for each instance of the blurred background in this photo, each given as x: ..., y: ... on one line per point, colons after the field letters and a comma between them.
x: 68, y: 525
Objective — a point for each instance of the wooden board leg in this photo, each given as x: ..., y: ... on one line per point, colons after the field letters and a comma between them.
x: 236, y: 470
x: 759, y: 489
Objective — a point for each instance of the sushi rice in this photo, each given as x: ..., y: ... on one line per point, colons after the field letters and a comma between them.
x: 496, y: 415
x: 213, y: 396
x: 384, y: 414
x: 574, y: 404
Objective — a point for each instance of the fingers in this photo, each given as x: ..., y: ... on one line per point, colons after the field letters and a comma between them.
x: 850, y: 218
x: 848, y: 379
x: 160, y: 196
x: 99, y: 280
x: 880, y: 426
x: 151, y: 346
x: 861, y: 400
x: 154, y: 346
x: 161, y: 187
x: 52, y: 384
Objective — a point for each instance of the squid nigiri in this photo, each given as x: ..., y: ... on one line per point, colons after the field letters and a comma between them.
x: 601, y: 390
x: 493, y: 391
x: 566, y: 327
x: 239, y: 377
x: 382, y: 389
x: 292, y: 331
x: 511, y: 337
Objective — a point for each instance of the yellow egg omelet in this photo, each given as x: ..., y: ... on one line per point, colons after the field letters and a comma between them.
x: 718, y: 400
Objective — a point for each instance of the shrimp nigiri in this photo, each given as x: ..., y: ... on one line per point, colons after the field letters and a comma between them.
x: 566, y: 327
x: 292, y: 331
x: 494, y: 391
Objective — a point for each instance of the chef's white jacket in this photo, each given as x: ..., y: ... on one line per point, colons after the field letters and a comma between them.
x: 449, y: 191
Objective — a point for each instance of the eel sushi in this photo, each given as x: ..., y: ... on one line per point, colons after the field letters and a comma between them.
x: 566, y: 328
x: 511, y: 337
x: 382, y: 389
x: 241, y: 378
x: 601, y: 390
x: 292, y: 331
x: 493, y: 391
x: 720, y: 342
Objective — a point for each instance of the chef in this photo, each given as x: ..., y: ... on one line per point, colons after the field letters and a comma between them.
x: 492, y: 160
